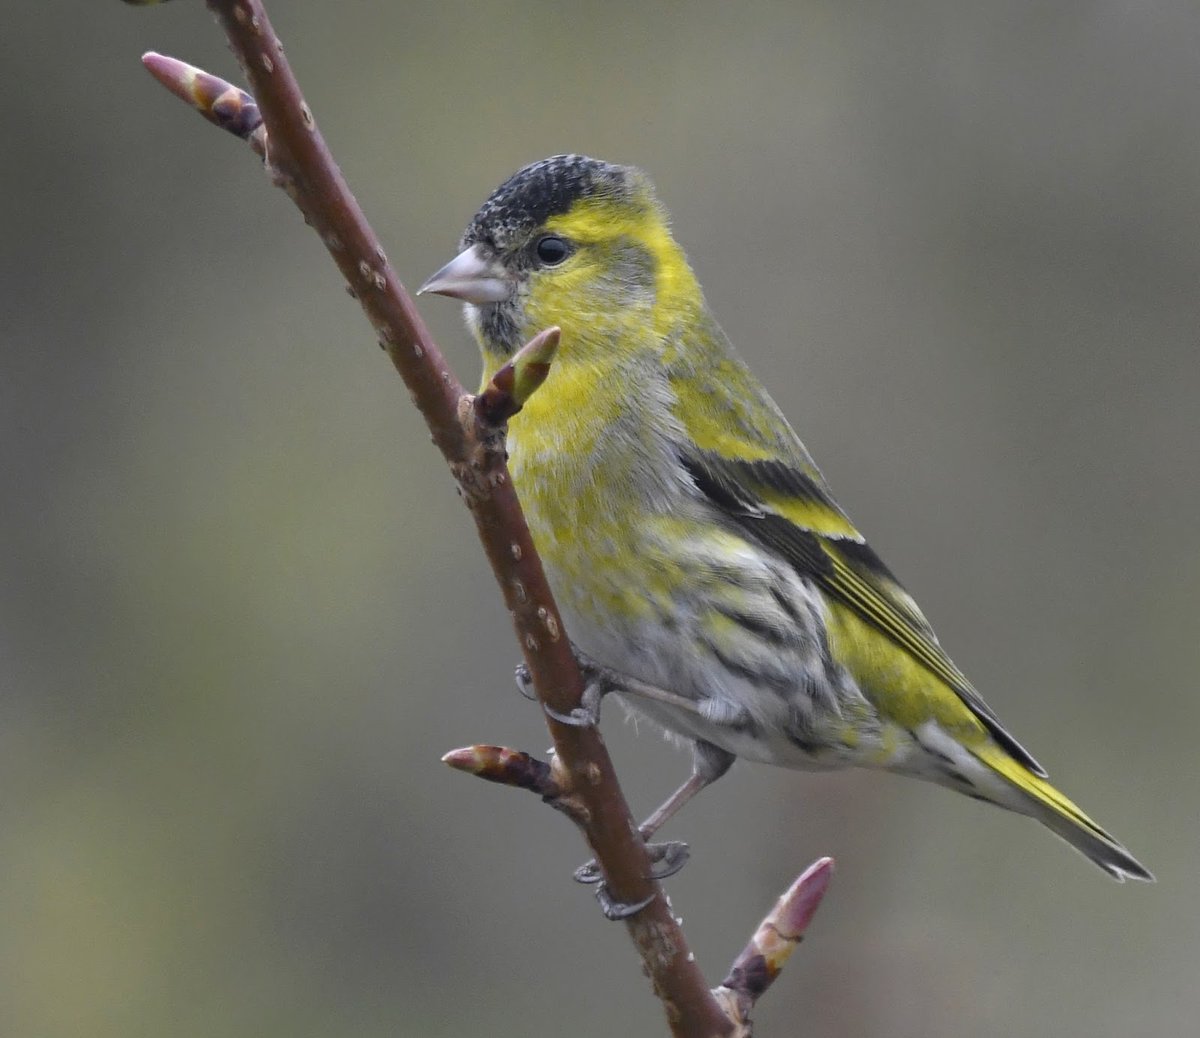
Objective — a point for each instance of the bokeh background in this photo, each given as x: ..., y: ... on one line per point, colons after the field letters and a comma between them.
x: 242, y: 612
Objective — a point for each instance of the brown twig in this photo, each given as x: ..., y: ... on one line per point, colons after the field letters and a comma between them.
x: 508, y: 767
x: 300, y: 162
x: 520, y: 770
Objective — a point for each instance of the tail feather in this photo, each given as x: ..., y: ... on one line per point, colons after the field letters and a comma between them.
x: 1035, y: 797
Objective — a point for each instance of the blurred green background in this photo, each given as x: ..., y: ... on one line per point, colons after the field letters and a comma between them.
x: 242, y: 611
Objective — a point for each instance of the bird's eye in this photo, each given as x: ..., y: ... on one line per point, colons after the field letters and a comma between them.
x: 552, y: 250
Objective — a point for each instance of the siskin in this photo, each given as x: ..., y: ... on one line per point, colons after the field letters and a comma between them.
x: 692, y: 544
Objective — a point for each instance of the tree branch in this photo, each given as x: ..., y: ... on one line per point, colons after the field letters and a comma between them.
x: 300, y: 162
x: 469, y: 431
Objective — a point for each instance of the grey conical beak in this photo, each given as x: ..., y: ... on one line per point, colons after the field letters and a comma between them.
x: 472, y: 278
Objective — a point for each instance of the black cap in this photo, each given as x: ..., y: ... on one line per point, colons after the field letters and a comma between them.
x: 532, y: 195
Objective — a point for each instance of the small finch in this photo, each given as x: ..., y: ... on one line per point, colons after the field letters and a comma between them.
x: 691, y: 542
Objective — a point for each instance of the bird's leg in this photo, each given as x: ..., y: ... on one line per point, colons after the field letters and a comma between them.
x: 709, y: 763
x: 599, y: 681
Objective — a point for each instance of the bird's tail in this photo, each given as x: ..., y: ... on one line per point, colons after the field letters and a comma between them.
x: 1034, y: 796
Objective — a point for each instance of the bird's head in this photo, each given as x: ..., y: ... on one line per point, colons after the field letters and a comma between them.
x: 570, y: 241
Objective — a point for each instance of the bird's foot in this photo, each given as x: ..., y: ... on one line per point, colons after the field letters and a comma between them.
x: 615, y: 910
x: 525, y: 682
x: 587, y: 714
x: 666, y: 859
x: 580, y: 717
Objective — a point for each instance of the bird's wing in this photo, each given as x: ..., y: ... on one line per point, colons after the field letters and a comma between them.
x: 786, y: 507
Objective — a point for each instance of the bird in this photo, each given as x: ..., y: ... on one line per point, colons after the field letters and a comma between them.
x: 702, y: 566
